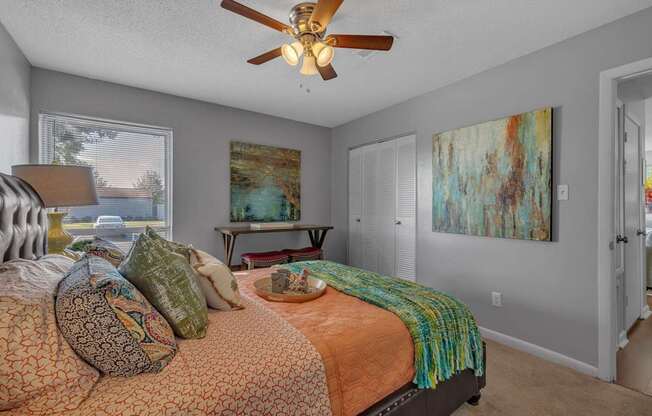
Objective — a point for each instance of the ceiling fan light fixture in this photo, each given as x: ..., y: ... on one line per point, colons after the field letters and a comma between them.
x: 309, y: 66
x: 292, y: 53
x: 323, y: 53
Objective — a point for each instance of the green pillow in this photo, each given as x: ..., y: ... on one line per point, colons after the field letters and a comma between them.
x: 168, y: 281
x: 173, y: 246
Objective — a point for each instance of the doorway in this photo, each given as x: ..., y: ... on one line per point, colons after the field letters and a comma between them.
x: 634, y: 356
x: 622, y: 269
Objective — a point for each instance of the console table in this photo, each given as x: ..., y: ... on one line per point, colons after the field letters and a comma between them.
x: 317, y: 234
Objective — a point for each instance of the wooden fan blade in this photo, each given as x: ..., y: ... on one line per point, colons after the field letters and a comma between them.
x: 376, y: 43
x: 324, y: 11
x: 267, y: 56
x: 327, y: 72
x: 252, y: 14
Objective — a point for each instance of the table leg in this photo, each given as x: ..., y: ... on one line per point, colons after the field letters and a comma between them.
x: 313, y: 241
x: 229, y: 245
x: 320, y: 240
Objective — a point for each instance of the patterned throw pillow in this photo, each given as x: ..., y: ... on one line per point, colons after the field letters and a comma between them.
x: 109, y: 323
x: 173, y: 246
x: 216, y: 280
x: 106, y: 250
x: 39, y: 372
x: 169, y: 283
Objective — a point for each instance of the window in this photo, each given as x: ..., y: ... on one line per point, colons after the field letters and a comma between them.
x: 133, y: 170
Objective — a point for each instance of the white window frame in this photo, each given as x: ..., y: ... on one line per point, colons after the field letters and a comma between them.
x: 46, y: 148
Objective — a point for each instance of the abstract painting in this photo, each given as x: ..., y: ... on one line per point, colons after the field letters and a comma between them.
x: 494, y: 179
x: 265, y: 183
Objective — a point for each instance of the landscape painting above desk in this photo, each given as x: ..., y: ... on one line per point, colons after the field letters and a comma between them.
x: 265, y: 183
x: 495, y: 179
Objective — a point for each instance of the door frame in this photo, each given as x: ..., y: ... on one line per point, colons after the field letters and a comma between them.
x: 607, y: 312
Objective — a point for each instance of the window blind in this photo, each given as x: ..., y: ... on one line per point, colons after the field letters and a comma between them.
x: 132, y: 167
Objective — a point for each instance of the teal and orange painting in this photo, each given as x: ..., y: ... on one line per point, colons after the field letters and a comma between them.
x: 265, y: 183
x: 495, y: 179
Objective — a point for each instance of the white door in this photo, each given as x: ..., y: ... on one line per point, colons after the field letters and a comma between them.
x: 355, y: 208
x: 385, y: 208
x: 406, y: 207
x: 369, y: 208
x: 634, y: 225
x: 382, y: 207
x: 619, y: 222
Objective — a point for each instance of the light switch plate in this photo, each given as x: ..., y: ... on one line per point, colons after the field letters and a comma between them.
x: 562, y: 192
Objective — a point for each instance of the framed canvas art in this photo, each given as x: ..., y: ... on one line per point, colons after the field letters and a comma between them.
x: 265, y: 183
x: 494, y: 179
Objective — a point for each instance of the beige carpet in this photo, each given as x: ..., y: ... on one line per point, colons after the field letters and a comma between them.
x: 520, y: 384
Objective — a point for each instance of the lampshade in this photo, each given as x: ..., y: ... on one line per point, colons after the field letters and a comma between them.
x: 292, y: 53
x: 60, y: 186
x: 323, y: 53
x: 309, y: 67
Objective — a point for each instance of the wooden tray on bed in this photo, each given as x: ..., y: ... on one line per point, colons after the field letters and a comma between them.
x: 264, y: 290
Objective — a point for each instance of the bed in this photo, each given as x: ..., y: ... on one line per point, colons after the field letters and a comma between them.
x: 363, y: 353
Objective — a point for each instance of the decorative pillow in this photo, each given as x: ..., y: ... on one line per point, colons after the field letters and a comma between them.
x: 80, y: 244
x: 173, y: 246
x: 169, y: 283
x: 109, y: 323
x: 216, y: 280
x: 106, y: 250
x: 39, y: 372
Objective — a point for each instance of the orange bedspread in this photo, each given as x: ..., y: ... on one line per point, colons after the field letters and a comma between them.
x: 367, y: 351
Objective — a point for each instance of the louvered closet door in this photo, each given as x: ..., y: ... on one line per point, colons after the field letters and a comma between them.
x: 406, y: 207
x: 355, y: 207
x: 385, y: 208
x: 369, y: 208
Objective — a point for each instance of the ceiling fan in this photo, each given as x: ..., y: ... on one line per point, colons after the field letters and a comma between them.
x: 308, y: 24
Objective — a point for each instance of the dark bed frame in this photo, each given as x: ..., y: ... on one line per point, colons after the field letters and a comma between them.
x: 23, y: 234
x: 442, y: 401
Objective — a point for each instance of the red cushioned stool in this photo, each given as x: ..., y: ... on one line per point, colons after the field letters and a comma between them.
x: 270, y: 258
x: 304, y: 254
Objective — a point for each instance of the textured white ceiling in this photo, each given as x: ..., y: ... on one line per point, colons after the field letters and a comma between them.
x: 198, y: 50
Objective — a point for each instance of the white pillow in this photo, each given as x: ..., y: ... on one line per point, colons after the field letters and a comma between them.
x: 217, y: 282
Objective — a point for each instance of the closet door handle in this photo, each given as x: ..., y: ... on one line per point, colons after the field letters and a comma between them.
x: 357, y: 220
x: 397, y: 222
x: 621, y: 239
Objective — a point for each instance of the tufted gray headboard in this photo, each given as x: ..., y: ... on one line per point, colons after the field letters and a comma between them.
x: 23, y: 221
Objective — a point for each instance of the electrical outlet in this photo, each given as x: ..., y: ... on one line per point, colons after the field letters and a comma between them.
x: 497, y: 299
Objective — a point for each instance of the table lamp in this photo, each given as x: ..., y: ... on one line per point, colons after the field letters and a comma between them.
x: 59, y: 186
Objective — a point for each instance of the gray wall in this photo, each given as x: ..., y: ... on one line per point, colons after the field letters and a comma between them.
x: 635, y: 89
x: 14, y: 103
x: 202, y: 132
x: 639, y: 90
x: 550, y: 289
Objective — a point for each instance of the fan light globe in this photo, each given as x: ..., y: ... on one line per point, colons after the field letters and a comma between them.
x: 309, y: 67
x: 324, y: 53
x: 292, y: 53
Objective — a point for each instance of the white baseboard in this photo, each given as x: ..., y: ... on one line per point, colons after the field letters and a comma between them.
x: 540, y: 352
